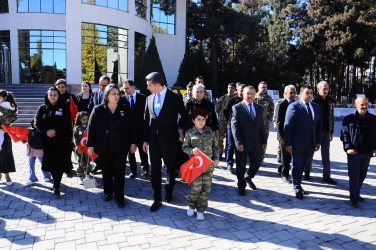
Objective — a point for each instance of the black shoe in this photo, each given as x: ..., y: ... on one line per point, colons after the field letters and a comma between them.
x: 169, y: 198
x: 242, y: 192
x: 286, y: 179
x: 120, y: 203
x: 57, y: 193
x: 307, y: 176
x: 361, y: 199
x: 132, y: 175
x: 146, y: 175
x: 250, y: 183
x: 355, y: 204
x: 299, y: 195
x: 304, y: 192
x: 155, y: 206
x: 329, y: 181
x: 107, y: 197
x: 70, y: 174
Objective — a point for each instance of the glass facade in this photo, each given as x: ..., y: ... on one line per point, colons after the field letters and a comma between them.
x: 42, y: 55
x: 5, y: 62
x: 139, y: 52
x: 162, y: 16
x: 104, y: 52
x: 114, y: 4
x: 140, y: 8
x: 41, y: 6
x: 4, y: 6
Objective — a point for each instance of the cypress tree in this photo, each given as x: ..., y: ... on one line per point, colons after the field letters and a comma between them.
x: 151, y: 63
x: 188, y: 69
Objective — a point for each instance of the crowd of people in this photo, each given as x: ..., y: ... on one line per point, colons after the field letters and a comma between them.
x: 172, y: 127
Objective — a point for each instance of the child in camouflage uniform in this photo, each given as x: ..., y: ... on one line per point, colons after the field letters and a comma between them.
x: 200, y: 138
x: 80, y: 125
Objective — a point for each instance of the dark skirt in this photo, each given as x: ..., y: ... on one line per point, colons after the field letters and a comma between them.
x: 6, y: 156
x: 55, y: 158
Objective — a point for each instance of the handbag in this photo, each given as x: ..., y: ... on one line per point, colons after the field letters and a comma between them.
x: 34, y: 139
x: 89, y: 181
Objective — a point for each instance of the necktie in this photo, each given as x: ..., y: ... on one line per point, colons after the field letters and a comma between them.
x: 158, y: 105
x: 100, y: 97
x: 132, y: 103
x: 309, y: 112
x: 251, y: 112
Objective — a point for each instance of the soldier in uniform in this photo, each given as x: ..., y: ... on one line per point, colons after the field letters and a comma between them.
x: 221, y: 103
x: 263, y: 99
x: 200, y: 138
x: 275, y: 127
x: 188, y: 95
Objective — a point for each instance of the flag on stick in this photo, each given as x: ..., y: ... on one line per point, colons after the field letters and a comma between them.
x: 83, y: 146
x: 194, y: 167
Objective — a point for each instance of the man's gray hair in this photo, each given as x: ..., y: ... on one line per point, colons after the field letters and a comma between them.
x: 320, y: 84
x: 198, y: 86
x: 246, y: 88
x: 287, y: 88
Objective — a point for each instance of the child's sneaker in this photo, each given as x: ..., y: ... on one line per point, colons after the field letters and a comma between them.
x: 190, y: 212
x: 200, y: 216
x: 81, y: 181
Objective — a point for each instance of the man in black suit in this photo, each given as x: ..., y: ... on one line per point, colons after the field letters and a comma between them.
x: 98, y: 93
x: 290, y: 93
x: 137, y: 103
x: 161, y: 134
x: 248, y: 129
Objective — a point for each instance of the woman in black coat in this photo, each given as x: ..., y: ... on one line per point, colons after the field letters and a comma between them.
x: 112, y: 134
x: 53, y: 120
x: 84, y: 99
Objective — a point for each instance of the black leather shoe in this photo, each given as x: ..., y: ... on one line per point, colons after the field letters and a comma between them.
x: 355, y: 204
x: 132, y: 175
x: 299, y: 195
x: 286, y: 179
x: 250, y: 183
x: 120, y: 203
x: 169, y: 198
x: 107, y: 197
x: 307, y: 176
x: 329, y: 181
x: 361, y: 199
x: 155, y: 206
x: 242, y: 192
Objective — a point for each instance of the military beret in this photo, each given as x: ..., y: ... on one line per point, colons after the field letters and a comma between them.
x: 202, y: 112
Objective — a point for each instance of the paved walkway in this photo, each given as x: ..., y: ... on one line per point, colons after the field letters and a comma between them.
x: 268, y: 218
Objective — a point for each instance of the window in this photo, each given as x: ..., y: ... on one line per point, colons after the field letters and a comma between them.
x: 5, y: 62
x: 104, y: 51
x: 139, y: 52
x: 41, y: 6
x: 114, y: 4
x: 162, y: 16
x: 140, y: 8
x: 4, y: 6
x: 42, y: 55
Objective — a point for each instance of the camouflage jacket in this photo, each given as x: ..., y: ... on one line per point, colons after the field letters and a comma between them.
x: 205, y: 141
x: 7, y: 116
x: 185, y: 97
x: 78, y: 133
x: 267, y: 104
x: 221, y: 103
x: 275, y: 115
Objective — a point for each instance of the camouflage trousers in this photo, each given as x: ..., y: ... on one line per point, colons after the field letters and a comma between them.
x: 222, y: 136
x: 83, y: 165
x: 200, y: 190
x: 267, y: 127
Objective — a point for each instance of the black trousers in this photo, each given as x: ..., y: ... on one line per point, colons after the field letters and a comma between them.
x: 57, y: 176
x: 157, y: 153
x: 285, y: 160
x: 255, y: 158
x: 113, y: 172
x: 143, y: 157
x: 181, y: 157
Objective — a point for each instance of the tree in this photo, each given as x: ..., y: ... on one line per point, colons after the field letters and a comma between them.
x: 151, y: 63
x: 188, y: 69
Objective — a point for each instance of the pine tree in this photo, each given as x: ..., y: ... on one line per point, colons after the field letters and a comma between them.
x: 151, y: 63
